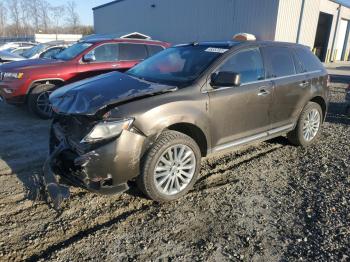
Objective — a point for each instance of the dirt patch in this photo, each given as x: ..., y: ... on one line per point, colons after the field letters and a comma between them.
x: 267, y: 202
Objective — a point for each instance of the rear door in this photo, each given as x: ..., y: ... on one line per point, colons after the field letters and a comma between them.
x: 130, y: 54
x: 289, y: 85
x: 240, y: 112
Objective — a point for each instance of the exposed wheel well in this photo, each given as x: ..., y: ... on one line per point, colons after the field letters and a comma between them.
x: 319, y: 100
x: 194, y: 132
x: 55, y: 82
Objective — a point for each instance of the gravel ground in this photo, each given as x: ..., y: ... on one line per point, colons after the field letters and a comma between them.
x: 267, y: 202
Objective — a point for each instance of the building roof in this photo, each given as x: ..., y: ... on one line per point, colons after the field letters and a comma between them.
x: 107, y: 4
x: 345, y: 3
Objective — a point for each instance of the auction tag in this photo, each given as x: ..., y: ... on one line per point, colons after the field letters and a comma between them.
x: 216, y: 50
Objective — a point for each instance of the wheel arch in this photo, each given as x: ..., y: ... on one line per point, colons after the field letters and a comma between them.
x: 55, y: 81
x: 194, y: 132
x: 322, y: 103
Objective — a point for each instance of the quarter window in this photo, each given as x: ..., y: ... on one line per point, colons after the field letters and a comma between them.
x: 248, y: 63
x: 106, y: 53
x: 132, y: 52
x: 154, y: 49
x: 308, y: 61
x: 281, y: 61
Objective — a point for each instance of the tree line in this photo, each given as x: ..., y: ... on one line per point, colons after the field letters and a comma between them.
x: 27, y: 17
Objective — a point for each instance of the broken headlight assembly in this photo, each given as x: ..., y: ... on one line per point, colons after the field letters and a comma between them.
x: 107, y: 129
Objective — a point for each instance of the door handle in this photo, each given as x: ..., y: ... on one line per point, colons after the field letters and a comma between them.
x: 263, y: 92
x: 304, y: 84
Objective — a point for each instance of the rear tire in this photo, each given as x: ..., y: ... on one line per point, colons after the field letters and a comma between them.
x: 38, y: 100
x: 170, y: 167
x: 308, y: 127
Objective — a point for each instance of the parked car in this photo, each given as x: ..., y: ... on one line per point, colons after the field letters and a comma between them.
x: 153, y: 124
x: 6, y: 57
x: 16, y: 45
x: 46, y: 50
x: 347, y: 101
x: 18, y: 50
x: 32, y: 81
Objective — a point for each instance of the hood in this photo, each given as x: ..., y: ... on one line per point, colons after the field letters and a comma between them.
x: 28, y: 64
x: 6, y: 56
x: 89, y: 96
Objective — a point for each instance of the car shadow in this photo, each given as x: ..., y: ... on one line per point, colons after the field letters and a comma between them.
x: 340, y: 79
x: 337, y: 114
x: 343, y: 68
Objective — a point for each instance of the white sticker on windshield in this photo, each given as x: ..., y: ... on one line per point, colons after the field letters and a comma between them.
x: 216, y: 50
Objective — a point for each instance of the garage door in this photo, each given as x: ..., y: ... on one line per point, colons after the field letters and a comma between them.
x: 341, y: 38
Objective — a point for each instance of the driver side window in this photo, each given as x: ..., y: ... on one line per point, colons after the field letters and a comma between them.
x: 248, y: 63
x: 106, y: 53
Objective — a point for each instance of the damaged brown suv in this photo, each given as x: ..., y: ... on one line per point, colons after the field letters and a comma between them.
x: 153, y: 124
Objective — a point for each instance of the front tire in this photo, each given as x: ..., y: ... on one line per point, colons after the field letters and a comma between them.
x: 170, y: 167
x: 38, y: 100
x: 308, y: 127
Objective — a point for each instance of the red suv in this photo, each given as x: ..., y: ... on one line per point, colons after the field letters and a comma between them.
x: 32, y: 81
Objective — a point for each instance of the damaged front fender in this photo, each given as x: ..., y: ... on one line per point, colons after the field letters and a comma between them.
x: 105, y: 170
x: 56, y: 192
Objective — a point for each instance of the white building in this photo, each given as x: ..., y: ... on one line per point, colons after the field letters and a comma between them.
x: 43, y: 38
x: 321, y: 24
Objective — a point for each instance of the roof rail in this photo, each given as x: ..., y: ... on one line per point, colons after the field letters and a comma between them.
x: 134, y: 35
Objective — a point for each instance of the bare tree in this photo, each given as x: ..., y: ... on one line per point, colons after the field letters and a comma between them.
x: 45, y: 15
x: 3, y: 13
x: 57, y: 15
x: 26, y: 17
x: 72, y: 15
x: 15, y: 15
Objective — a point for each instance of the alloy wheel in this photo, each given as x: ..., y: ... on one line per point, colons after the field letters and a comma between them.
x: 311, y: 125
x: 174, y: 170
x: 43, y: 103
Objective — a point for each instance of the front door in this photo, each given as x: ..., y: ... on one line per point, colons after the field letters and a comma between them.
x: 240, y: 112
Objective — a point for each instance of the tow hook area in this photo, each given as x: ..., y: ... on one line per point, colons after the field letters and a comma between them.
x: 56, y: 192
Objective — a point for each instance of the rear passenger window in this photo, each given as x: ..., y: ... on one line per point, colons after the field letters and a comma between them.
x: 308, y: 61
x: 280, y: 61
x: 132, y: 52
x: 154, y: 49
x: 248, y: 63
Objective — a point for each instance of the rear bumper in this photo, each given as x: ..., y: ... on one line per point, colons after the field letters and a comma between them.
x: 106, y: 169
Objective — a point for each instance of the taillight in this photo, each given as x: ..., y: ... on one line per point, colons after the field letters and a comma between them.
x: 328, y: 80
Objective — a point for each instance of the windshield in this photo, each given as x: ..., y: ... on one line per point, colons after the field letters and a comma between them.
x: 72, y: 51
x: 178, y: 66
x: 34, y: 50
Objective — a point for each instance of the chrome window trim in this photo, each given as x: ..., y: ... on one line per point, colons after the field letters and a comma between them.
x: 263, y: 81
x: 81, y: 62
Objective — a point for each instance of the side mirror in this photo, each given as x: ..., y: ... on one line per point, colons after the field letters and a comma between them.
x: 89, y: 57
x: 224, y: 79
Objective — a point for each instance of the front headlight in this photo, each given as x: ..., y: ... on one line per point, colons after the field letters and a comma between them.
x: 11, y: 76
x: 107, y: 129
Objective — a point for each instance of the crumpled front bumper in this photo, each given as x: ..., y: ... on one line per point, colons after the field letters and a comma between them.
x: 106, y: 169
